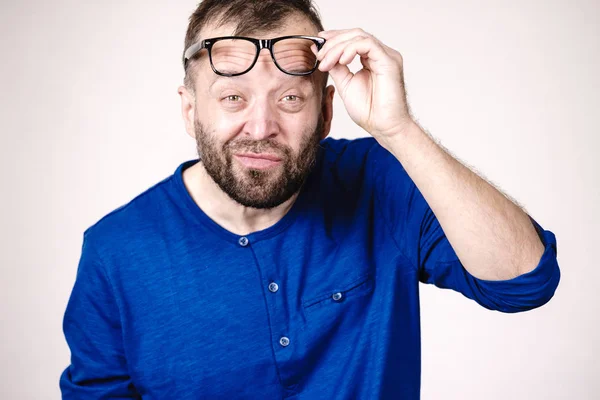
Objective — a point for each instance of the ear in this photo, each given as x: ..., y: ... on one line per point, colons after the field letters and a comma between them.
x: 188, y: 106
x: 327, y: 110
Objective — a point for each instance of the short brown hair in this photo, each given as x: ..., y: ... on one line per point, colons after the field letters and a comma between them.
x: 250, y: 16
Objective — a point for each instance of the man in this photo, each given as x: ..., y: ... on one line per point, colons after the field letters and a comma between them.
x: 281, y: 264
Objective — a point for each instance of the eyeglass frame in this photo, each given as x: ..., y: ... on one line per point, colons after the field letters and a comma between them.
x: 258, y: 43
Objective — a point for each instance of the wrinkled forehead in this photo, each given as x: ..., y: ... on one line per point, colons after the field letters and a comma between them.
x: 293, y: 25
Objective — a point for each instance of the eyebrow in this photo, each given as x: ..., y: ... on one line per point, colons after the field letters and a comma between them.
x: 218, y: 79
x: 305, y: 80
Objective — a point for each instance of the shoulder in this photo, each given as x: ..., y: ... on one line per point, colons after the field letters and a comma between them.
x: 337, y: 150
x: 355, y: 152
x: 132, y: 219
x: 349, y: 160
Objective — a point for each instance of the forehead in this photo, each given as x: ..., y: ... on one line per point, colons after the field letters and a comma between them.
x: 292, y: 25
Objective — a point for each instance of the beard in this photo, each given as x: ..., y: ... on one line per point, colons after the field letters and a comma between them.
x: 258, y: 188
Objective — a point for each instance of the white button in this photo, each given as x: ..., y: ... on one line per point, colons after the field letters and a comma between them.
x: 337, y: 296
x: 273, y: 287
x: 243, y: 241
x: 284, y: 341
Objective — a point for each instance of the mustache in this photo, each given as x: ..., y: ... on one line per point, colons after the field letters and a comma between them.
x: 257, y: 146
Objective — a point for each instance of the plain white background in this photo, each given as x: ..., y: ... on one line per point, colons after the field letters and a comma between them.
x: 90, y: 118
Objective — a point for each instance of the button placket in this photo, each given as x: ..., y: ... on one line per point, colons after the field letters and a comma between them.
x: 281, y: 326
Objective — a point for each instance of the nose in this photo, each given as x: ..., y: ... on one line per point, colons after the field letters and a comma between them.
x: 263, y: 115
x: 262, y: 122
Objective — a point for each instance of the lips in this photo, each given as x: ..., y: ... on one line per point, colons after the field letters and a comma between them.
x: 258, y: 161
x: 260, y: 156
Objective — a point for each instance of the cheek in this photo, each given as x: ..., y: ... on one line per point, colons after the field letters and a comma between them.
x: 221, y: 127
x: 226, y: 129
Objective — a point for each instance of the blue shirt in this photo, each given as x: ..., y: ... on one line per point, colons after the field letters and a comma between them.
x: 322, y: 305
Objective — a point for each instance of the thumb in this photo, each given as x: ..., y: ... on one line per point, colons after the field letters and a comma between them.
x: 342, y: 76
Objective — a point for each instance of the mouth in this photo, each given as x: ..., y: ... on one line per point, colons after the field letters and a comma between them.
x: 258, y: 160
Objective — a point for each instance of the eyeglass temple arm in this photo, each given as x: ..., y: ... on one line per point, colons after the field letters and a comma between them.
x: 191, y: 51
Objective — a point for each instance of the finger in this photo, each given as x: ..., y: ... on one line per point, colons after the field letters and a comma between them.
x: 341, y: 36
x: 331, y: 32
x: 345, y: 53
x: 370, y: 49
x: 341, y: 76
x: 366, y: 48
x: 313, y: 48
x: 350, y: 52
x: 331, y: 57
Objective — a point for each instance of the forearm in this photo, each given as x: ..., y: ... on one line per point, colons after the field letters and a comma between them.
x: 493, y: 238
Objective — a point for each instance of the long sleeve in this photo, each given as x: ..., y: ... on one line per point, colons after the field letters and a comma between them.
x: 92, y: 328
x: 420, y: 237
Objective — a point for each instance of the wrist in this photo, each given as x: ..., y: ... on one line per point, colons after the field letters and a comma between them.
x: 399, y: 136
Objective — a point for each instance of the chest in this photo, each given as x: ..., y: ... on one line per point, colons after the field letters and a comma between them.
x: 221, y: 318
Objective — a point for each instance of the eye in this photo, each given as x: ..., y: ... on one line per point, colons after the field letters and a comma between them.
x: 291, y: 97
x: 233, y: 98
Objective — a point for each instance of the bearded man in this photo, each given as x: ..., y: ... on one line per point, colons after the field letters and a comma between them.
x: 281, y: 264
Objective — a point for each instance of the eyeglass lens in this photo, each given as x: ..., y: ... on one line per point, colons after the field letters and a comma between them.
x: 233, y: 56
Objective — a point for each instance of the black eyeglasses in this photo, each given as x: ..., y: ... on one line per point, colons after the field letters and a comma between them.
x: 236, y: 55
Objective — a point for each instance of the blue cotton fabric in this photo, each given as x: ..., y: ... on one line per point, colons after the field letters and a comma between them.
x: 169, y: 305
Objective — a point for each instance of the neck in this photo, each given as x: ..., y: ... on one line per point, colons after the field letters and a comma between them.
x: 226, y: 212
